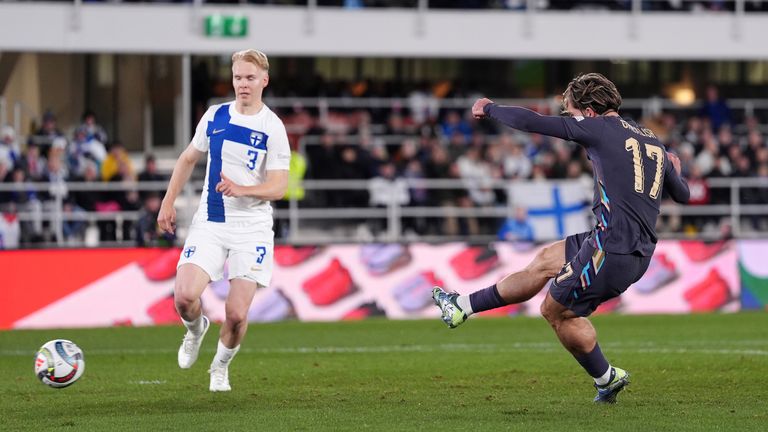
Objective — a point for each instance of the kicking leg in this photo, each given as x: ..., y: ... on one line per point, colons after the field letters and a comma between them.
x: 239, y: 300
x: 579, y: 337
x: 514, y: 288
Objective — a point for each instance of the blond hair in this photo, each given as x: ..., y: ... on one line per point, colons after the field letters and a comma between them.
x: 252, y: 56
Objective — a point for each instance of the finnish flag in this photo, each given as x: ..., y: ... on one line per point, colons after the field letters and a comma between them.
x: 555, y: 209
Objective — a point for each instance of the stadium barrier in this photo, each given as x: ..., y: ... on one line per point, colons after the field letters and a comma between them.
x: 555, y: 209
x: 343, y: 282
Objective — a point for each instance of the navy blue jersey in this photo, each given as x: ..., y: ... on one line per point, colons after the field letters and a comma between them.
x: 630, y: 167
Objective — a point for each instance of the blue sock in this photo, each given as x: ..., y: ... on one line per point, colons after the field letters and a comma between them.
x: 486, y: 299
x: 593, y: 362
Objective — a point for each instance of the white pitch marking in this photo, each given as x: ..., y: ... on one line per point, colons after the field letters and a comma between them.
x: 642, y: 348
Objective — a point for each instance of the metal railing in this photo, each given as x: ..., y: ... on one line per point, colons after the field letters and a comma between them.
x: 307, y: 223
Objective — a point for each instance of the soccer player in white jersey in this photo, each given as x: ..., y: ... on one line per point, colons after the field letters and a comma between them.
x: 248, y: 159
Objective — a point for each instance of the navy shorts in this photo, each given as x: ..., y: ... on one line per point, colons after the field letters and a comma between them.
x: 591, y: 276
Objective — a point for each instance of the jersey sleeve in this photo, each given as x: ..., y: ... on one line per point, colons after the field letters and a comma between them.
x: 585, y: 131
x: 278, y: 150
x: 674, y: 184
x: 200, y: 140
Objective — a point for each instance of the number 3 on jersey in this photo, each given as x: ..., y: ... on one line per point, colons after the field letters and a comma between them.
x: 253, y: 155
x: 655, y: 153
x: 261, y: 252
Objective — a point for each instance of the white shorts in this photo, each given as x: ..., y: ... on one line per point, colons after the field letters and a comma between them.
x: 248, y: 247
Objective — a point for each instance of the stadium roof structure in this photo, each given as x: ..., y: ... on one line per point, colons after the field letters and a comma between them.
x: 419, y: 32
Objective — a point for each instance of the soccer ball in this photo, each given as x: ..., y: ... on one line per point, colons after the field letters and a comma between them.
x: 59, y: 363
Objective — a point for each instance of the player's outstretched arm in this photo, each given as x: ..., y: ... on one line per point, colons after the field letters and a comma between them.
x: 521, y: 118
x: 273, y: 188
x: 166, y: 218
x: 674, y: 183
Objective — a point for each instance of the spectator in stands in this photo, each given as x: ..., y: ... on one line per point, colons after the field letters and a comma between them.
x: 385, y: 189
x: 535, y: 144
x: 757, y: 195
x: 88, y: 200
x: 150, y: 174
x: 715, y: 109
x: 74, y: 224
x: 692, y: 132
x: 761, y: 157
x: 56, y: 175
x: 705, y: 160
x: 742, y: 167
x: 518, y: 230
x: 700, y: 195
x: 92, y: 130
x: 33, y: 163
x: 351, y: 169
x: 44, y: 136
x: 408, y: 152
x: 439, y: 167
x: 725, y: 137
x: 10, y: 227
x: 5, y: 173
x: 82, y: 148
x: 562, y: 157
x: 423, y: 104
x: 476, y: 176
x: 457, y: 145
x: 419, y: 196
x: 324, y: 165
x: 396, y: 125
x: 754, y: 143
x: 9, y: 147
x: 297, y: 170
x: 97, y: 201
x: 26, y: 199
x: 760, y: 222
x: 361, y: 124
x: 116, y: 163
x: 378, y: 157
x: 147, y: 233
x: 453, y: 123
x: 516, y: 164
x: 128, y: 198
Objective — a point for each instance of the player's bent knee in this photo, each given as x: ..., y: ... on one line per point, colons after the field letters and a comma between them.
x: 184, y: 300
x: 237, y: 317
x: 548, y: 262
x: 552, y: 311
x: 546, y: 312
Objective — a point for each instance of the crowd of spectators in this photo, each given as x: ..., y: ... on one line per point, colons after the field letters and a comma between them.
x: 86, y: 156
x: 383, y: 148
x: 422, y: 142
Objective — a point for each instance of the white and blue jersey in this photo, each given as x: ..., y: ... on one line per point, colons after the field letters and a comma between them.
x: 244, y: 148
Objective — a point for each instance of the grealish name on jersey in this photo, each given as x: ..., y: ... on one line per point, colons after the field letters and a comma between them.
x: 244, y: 148
x: 638, y: 130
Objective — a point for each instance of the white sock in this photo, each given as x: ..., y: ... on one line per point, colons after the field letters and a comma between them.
x: 465, y: 304
x: 606, y: 378
x: 195, y: 326
x: 224, y: 355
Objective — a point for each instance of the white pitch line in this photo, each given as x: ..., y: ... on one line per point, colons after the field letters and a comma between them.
x: 641, y: 348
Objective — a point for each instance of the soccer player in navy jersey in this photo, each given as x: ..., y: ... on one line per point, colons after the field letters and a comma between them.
x: 631, y: 170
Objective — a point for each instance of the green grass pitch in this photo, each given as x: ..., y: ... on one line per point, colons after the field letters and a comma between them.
x: 689, y: 373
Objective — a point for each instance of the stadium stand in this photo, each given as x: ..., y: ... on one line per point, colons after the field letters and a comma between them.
x: 355, y: 135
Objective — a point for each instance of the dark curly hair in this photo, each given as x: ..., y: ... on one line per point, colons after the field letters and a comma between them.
x: 592, y: 90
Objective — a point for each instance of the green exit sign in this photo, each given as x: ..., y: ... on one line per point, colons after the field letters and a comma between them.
x: 220, y: 25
